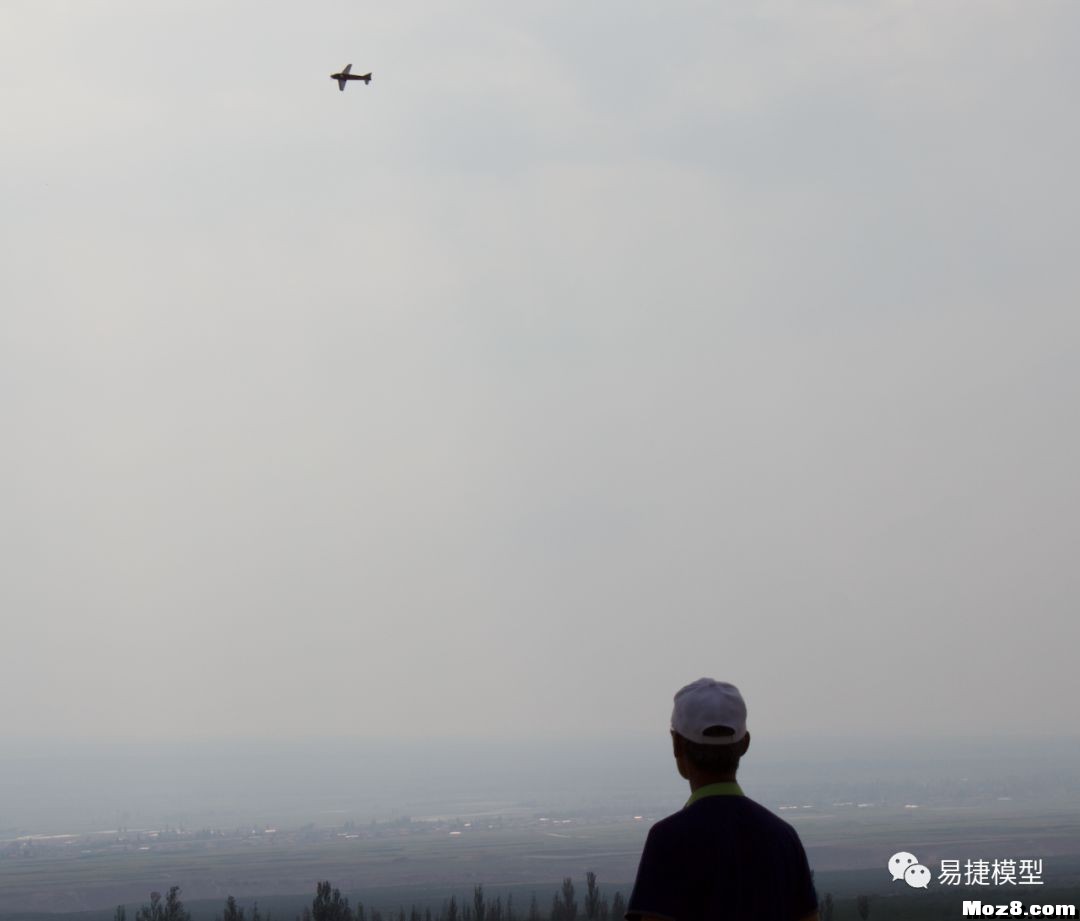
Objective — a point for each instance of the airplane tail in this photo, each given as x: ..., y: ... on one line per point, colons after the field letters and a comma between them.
x: 366, y: 78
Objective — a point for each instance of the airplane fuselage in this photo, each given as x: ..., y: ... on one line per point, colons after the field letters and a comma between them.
x: 345, y: 75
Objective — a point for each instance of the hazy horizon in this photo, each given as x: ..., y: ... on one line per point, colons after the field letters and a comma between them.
x: 64, y: 787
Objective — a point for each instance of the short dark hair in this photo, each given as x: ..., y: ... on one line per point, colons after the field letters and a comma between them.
x: 716, y: 759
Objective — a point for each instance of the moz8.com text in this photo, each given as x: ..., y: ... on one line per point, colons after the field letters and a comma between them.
x: 1016, y: 909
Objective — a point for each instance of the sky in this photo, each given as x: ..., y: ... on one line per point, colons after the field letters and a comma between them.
x: 590, y: 349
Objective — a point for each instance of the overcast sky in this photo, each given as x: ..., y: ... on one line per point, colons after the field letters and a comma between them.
x: 591, y: 348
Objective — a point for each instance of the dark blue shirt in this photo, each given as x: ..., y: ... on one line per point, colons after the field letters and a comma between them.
x: 723, y: 858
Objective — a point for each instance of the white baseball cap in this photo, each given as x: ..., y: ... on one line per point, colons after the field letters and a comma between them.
x: 705, y: 709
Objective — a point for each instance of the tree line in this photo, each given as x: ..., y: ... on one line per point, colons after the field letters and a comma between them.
x: 330, y: 905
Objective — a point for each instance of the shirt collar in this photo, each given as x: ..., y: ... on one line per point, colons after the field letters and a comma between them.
x: 725, y: 788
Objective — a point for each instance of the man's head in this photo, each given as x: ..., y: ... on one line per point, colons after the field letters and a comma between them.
x: 708, y: 730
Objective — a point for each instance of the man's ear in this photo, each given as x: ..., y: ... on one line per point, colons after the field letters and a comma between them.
x: 744, y: 742
x: 677, y: 751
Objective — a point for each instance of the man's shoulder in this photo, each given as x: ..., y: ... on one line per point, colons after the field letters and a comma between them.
x: 764, y: 815
x: 723, y: 810
x: 741, y: 804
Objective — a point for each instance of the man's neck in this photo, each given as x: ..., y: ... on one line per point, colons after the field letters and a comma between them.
x: 697, y: 781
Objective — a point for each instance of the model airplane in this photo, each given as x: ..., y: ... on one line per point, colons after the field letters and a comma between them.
x: 345, y: 75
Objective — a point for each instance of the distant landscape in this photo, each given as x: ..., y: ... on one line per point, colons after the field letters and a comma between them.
x: 394, y: 831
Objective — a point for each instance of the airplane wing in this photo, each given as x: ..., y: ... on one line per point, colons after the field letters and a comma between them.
x: 345, y: 76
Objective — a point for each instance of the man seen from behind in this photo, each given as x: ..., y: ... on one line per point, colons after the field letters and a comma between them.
x: 722, y: 857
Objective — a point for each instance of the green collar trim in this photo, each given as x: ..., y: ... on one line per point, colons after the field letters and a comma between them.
x: 726, y: 788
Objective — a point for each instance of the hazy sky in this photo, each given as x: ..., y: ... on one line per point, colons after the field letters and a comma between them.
x: 592, y: 348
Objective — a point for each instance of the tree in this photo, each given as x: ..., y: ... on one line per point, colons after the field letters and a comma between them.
x: 172, y: 909
x: 862, y: 906
x: 827, y: 908
x: 534, y: 910
x: 232, y: 911
x: 451, y: 913
x: 592, y: 897
x: 479, y: 907
x: 618, y: 907
x: 121, y: 913
x: 569, y: 906
x: 556, y: 908
x: 328, y: 904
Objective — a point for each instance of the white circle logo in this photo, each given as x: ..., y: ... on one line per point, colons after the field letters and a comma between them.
x: 899, y: 863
